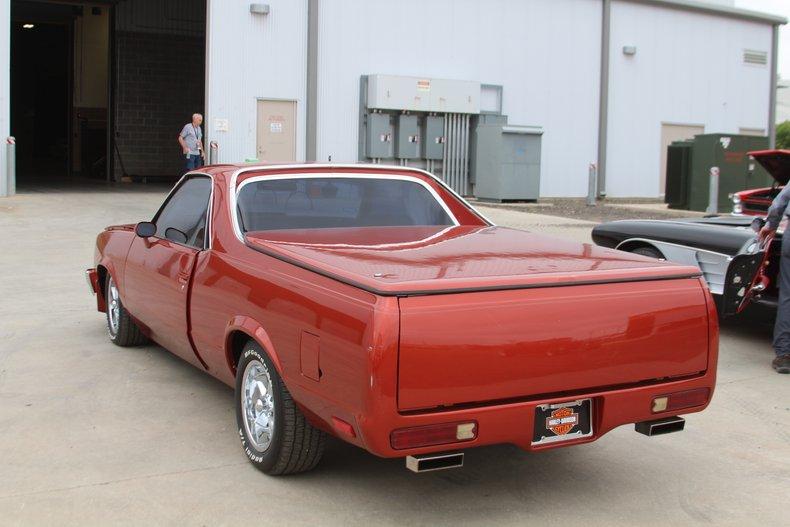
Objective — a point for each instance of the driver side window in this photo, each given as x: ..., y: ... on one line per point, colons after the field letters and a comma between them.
x: 183, y: 217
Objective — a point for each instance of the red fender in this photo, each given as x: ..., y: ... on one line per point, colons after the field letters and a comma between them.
x: 256, y: 332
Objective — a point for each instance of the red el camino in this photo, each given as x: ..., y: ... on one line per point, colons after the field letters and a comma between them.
x: 374, y: 304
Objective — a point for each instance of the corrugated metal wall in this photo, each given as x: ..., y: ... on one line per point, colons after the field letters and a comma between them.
x: 688, y: 70
x: 250, y: 57
x: 546, y: 54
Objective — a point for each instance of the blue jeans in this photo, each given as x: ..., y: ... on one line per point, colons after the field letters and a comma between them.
x: 782, y: 324
x: 194, y: 162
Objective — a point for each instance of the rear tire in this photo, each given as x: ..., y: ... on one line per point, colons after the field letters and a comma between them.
x: 120, y: 326
x: 274, y: 433
x: 650, y: 252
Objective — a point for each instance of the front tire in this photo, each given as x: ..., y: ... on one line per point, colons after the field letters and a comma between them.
x: 274, y: 433
x: 120, y: 326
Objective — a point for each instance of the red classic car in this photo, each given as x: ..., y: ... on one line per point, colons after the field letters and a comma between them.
x: 755, y: 202
x: 374, y: 304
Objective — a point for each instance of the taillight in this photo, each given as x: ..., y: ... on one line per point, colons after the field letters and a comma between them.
x: 419, y: 436
x: 679, y: 400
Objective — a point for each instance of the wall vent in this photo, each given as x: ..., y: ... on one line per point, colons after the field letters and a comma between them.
x: 751, y: 56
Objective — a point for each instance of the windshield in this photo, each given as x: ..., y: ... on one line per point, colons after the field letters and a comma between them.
x: 331, y: 202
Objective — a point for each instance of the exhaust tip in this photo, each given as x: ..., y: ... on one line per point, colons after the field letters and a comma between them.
x: 661, y: 426
x: 431, y: 462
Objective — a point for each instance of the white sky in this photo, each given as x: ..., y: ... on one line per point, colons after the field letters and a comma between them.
x: 775, y: 7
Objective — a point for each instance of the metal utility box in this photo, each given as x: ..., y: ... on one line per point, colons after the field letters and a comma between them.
x: 422, y: 94
x: 432, y: 139
x: 378, y: 141
x: 688, y: 174
x: 506, y: 161
x: 407, y: 137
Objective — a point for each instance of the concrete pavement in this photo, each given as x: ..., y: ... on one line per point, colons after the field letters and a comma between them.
x: 94, y: 434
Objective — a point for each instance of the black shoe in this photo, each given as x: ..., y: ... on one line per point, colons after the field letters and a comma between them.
x: 782, y: 363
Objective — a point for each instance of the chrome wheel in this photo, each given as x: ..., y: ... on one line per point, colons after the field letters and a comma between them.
x: 257, y: 405
x: 113, y: 307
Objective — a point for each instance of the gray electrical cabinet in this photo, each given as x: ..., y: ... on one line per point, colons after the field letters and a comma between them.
x: 433, y: 137
x: 506, y: 161
x: 407, y: 137
x: 378, y: 141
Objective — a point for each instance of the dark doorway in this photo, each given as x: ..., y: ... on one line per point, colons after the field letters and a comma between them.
x: 59, y: 90
x: 40, y: 83
x: 100, y: 90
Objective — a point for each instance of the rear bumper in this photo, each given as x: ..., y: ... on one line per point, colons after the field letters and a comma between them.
x: 513, y: 423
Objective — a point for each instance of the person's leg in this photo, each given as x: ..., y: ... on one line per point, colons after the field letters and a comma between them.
x: 782, y: 325
x: 192, y: 162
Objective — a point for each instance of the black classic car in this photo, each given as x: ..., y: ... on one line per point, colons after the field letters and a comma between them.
x: 738, y: 268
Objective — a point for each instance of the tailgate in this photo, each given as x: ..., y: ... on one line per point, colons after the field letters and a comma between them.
x: 485, y: 346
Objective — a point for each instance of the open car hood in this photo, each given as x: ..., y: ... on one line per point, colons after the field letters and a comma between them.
x: 776, y: 162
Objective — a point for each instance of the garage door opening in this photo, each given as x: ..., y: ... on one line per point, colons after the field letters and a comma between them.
x: 41, y: 37
x: 100, y: 90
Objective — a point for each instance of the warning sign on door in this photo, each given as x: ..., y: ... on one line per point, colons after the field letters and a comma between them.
x: 276, y: 127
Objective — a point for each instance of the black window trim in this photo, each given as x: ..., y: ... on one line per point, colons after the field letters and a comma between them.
x: 207, y: 239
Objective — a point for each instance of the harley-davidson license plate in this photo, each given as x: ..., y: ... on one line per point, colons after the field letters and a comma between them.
x: 562, y: 421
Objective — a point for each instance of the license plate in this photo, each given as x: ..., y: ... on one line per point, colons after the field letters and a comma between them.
x: 562, y: 421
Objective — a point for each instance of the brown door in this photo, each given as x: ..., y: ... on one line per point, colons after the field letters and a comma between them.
x: 276, y: 131
x: 669, y: 134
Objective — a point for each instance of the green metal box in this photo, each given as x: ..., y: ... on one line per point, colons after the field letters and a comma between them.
x: 689, y: 164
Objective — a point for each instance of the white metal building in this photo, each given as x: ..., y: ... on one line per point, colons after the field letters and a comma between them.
x: 609, y: 82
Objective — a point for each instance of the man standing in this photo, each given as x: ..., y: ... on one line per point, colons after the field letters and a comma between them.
x: 778, y: 210
x: 191, y: 141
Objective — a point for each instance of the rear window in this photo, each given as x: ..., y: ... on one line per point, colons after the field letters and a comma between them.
x: 322, y: 203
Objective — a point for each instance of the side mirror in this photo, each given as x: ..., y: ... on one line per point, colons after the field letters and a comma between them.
x: 175, y: 235
x: 145, y: 229
x: 758, y: 224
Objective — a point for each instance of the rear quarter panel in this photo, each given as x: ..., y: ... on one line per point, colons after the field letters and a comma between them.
x: 279, y: 305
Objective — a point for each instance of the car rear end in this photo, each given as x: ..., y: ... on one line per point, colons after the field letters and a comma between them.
x: 541, y: 368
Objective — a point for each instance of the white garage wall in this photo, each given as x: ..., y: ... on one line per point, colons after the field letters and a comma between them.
x: 5, y: 87
x: 545, y: 53
x: 248, y: 57
x: 688, y: 69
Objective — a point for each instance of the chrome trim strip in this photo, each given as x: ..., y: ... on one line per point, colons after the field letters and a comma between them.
x: 713, y: 265
x: 653, y: 242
